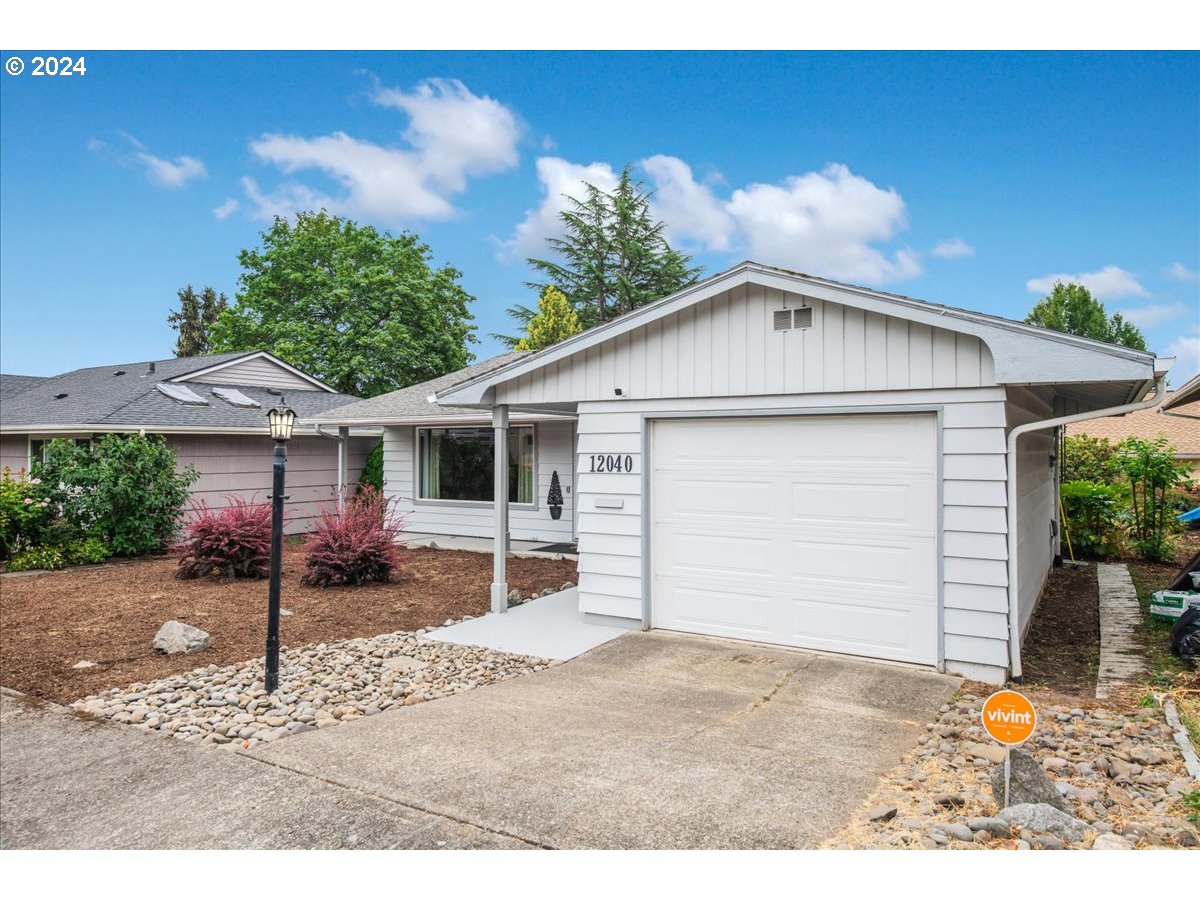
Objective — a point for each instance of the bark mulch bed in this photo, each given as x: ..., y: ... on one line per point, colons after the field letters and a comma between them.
x: 110, y: 614
x: 1062, y: 650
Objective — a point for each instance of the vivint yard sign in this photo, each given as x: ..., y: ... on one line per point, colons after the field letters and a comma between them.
x: 1009, y: 718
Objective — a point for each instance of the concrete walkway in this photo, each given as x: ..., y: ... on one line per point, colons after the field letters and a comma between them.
x: 652, y: 740
x: 1122, y: 662
x: 551, y: 627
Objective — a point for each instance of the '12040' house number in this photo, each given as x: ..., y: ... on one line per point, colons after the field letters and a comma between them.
x: 611, y: 462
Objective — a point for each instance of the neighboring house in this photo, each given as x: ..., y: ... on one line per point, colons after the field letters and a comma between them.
x: 1178, y: 419
x: 778, y: 458
x: 212, y: 409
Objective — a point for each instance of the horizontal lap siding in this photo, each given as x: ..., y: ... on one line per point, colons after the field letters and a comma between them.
x: 14, y: 452
x: 1036, y: 497
x: 726, y: 347
x: 257, y: 372
x: 553, y: 453
x: 231, y: 465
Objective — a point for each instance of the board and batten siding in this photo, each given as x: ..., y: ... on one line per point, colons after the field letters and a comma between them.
x: 259, y: 372
x: 973, y: 490
x: 552, y: 452
x: 726, y: 347
x: 241, y: 465
x: 1037, y: 496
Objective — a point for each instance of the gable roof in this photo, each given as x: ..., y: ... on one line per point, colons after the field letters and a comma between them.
x: 125, y: 396
x: 1189, y: 393
x: 1023, y: 353
x: 1181, y: 426
x: 413, y: 402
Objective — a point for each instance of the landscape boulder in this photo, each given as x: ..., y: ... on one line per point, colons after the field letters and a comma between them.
x: 179, y: 637
x: 1041, y: 818
x: 1028, y: 783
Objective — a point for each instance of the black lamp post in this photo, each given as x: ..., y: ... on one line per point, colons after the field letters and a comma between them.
x: 282, y: 420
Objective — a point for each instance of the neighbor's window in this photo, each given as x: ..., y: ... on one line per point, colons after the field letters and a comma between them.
x: 456, y: 463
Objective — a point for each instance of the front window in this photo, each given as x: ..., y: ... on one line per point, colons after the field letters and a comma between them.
x: 457, y: 464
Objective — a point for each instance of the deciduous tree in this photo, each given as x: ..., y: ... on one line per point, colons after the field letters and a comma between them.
x: 1071, y: 308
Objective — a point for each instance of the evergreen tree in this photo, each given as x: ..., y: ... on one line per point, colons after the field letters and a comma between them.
x: 553, y: 321
x: 613, y: 257
x: 194, y: 319
x: 1071, y: 309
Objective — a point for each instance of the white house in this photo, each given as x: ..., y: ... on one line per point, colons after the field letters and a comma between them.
x: 778, y: 458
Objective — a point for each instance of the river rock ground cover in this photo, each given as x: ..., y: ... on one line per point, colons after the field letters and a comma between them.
x: 108, y: 615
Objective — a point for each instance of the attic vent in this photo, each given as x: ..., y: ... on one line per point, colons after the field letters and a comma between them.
x: 59, y: 396
x: 234, y: 397
x: 118, y: 372
x: 802, y: 317
x: 782, y: 319
x: 180, y: 394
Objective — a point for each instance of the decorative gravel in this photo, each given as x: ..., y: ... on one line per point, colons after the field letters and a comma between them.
x: 1121, y: 773
x: 320, y: 686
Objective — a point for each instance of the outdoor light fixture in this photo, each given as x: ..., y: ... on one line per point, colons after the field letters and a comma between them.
x: 282, y: 420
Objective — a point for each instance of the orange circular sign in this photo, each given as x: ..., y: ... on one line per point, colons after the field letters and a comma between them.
x: 1009, y: 717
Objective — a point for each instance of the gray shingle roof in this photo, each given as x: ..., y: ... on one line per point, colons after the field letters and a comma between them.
x: 99, y: 396
x: 413, y: 402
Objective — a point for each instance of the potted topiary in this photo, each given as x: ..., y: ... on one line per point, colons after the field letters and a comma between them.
x: 555, y: 499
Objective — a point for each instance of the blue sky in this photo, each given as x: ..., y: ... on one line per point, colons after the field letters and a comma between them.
x: 968, y: 179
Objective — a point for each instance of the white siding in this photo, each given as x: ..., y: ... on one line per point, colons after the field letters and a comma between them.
x: 241, y: 465
x: 973, y: 421
x: 14, y: 452
x: 553, y: 453
x: 261, y: 372
x: 725, y: 347
x: 1036, y: 496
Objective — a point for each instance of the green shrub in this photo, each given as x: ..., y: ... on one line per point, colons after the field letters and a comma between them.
x: 372, y: 471
x: 1154, y: 476
x: 124, y: 489
x: 25, y: 511
x: 1093, y: 512
x: 1088, y: 458
x: 39, y: 557
x: 88, y: 551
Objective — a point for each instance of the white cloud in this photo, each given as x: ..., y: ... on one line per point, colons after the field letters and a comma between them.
x: 1180, y: 272
x: 691, y: 211
x: 1109, y: 283
x: 954, y: 248
x: 1186, y: 350
x: 825, y: 222
x: 1153, y: 314
x: 226, y: 209
x: 452, y: 135
x: 558, y: 179
x: 174, y: 173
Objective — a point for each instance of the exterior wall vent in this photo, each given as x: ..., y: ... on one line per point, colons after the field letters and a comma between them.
x: 802, y: 317
x: 782, y: 320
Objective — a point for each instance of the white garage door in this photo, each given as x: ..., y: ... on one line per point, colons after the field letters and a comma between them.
x: 810, y: 531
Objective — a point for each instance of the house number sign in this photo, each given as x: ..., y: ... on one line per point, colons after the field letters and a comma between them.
x: 603, y: 463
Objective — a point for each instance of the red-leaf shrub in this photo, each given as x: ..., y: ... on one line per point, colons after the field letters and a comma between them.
x: 356, y: 545
x: 235, y: 541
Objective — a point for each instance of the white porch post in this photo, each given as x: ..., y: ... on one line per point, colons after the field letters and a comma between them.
x: 343, y: 452
x: 500, y: 498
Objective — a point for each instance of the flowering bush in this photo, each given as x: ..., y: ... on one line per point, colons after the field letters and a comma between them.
x: 356, y: 545
x: 25, y: 511
x: 37, y: 557
x: 235, y: 541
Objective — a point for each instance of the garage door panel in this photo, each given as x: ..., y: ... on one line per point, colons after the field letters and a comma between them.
x: 806, y: 531
x: 720, y: 497
x: 716, y: 555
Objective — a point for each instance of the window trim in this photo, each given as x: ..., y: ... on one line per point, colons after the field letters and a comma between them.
x: 418, y: 500
x: 46, y: 438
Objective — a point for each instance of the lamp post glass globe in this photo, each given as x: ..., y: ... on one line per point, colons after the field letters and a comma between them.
x: 282, y: 420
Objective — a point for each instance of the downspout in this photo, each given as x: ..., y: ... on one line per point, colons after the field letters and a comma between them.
x: 340, y: 437
x: 1014, y: 610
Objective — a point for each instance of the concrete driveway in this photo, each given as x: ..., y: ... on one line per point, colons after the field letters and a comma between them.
x: 654, y: 740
